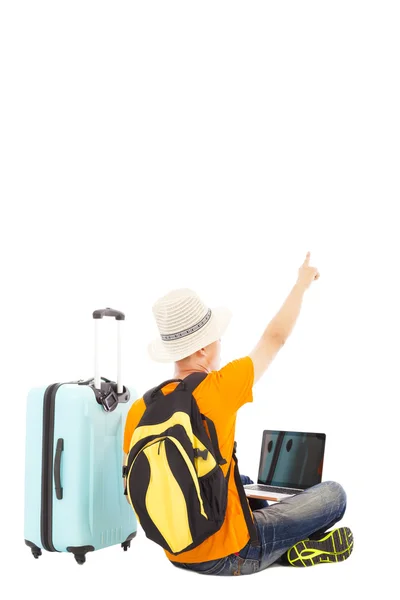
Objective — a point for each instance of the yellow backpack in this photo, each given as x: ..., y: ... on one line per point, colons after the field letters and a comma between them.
x: 174, y: 479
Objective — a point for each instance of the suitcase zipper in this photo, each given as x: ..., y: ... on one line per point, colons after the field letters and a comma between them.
x: 46, y: 518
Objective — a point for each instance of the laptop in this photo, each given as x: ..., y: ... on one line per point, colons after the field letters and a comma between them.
x: 290, y: 462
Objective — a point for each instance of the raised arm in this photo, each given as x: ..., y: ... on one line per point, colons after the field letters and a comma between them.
x: 280, y: 327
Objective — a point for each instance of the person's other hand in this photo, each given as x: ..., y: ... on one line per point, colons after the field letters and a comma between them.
x: 307, y: 274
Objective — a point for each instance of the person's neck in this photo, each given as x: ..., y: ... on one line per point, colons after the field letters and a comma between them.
x: 182, y: 373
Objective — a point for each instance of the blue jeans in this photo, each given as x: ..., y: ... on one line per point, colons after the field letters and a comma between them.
x: 280, y: 526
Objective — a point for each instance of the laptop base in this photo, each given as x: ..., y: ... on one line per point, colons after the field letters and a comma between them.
x: 268, y: 493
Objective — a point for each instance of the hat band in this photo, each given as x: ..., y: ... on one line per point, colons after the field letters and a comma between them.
x: 176, y: 336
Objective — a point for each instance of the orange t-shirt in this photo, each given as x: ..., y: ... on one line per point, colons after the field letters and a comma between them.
x: 218, y: 396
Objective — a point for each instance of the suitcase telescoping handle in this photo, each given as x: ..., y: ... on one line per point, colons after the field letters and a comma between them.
x: 119, y: 316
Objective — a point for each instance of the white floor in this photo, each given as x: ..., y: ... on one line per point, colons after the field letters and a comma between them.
x: 144, y: 571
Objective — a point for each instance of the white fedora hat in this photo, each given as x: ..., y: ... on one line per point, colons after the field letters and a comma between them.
x: 185, y: 324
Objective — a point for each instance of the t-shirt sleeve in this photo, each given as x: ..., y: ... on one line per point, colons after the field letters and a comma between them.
x: 235, y: 382
x: 134, y: 415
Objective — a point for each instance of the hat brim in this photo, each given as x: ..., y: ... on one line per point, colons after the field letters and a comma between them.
x: 167, y: 352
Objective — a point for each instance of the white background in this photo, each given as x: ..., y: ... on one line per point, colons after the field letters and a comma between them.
x: 153, y: 145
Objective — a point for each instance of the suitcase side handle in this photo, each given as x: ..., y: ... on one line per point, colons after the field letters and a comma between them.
x: 57, y: 469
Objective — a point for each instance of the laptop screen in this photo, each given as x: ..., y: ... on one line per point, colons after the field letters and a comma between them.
x: 291, y: 459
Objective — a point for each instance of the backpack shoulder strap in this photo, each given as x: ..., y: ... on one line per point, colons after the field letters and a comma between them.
x: 150, y: 395
x: 214, y: 440
x: 244, y: 502
x: 190, y: 383
x: 193, y: 380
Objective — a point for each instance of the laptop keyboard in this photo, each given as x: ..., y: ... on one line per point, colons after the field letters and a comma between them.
x: 268, y: 488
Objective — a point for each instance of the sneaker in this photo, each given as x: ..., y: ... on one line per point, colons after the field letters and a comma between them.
x: 335, y: 546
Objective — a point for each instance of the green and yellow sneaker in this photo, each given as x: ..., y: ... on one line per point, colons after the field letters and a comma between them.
x: 335, y: 546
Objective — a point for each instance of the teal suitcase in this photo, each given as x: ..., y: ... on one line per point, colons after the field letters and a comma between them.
x: 74, y: 492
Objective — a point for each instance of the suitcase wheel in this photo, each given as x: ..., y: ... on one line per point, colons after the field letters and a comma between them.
x: 80, y: 553
x: 36, y: 552
x: 127, y: 543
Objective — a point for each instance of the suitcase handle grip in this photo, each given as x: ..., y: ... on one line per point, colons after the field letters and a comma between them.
x: 109, y: 312
x: 57, y: 469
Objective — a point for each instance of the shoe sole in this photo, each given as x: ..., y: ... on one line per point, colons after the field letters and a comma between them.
x: 336, y: 546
